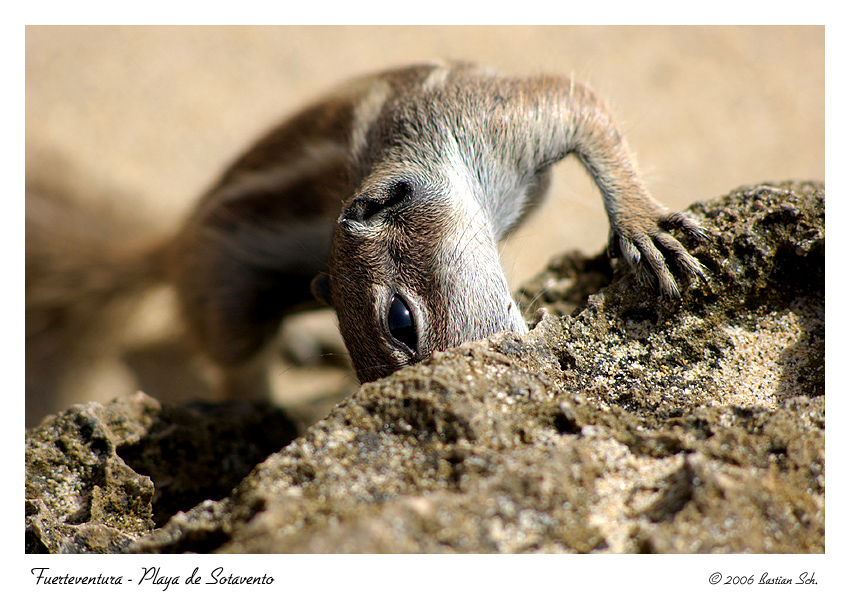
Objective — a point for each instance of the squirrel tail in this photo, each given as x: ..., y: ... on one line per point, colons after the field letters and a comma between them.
x: 80, y: 269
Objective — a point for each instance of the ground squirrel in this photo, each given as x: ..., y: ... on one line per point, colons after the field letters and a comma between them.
x: 386, y: 200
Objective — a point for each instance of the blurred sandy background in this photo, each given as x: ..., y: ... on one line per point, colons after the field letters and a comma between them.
x: 140, y: 120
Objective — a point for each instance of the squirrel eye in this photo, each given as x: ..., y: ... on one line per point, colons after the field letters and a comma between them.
x: 400, y: 323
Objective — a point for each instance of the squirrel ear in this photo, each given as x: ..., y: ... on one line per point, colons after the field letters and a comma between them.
x: 321, y: 288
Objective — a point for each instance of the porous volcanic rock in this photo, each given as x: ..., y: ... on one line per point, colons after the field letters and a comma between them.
x: 622, y: 423
x: 100, y: 475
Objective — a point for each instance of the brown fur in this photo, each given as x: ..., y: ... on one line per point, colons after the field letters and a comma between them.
x: 400, y: 184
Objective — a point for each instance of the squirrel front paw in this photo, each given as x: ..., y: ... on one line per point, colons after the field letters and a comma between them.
x: 650, y: 250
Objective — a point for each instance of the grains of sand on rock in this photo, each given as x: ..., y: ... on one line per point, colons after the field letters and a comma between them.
x: 762, y: 367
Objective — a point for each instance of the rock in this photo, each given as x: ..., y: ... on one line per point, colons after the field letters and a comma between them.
x: 752, y: 336
x: 100, y: 475
x: 621, y: 423
x: 80, y: 496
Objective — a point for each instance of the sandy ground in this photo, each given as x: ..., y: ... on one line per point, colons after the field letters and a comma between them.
x: 141, y: 119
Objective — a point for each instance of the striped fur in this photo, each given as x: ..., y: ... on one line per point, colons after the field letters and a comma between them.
x: 400, y: 185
